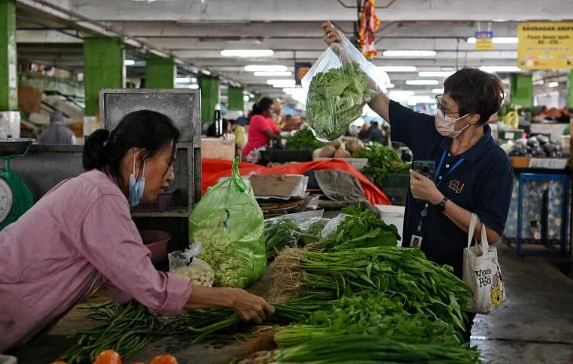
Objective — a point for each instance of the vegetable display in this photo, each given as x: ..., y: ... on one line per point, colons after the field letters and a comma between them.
x: 303, y: 139
x: 382, y: 161
x: 335, y: 99
x: 228, y: 223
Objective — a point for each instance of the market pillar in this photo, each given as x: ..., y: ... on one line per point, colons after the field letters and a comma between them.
x: 103, y: 68
x: 235, y: 98
x: 160, y: 72
x: 521, y: 87
x: 9, y: 114
x: 209, y: 97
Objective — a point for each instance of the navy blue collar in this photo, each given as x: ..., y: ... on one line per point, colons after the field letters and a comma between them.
x: 472, y: 154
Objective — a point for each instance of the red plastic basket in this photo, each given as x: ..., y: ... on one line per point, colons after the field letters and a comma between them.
x: 158, y: 205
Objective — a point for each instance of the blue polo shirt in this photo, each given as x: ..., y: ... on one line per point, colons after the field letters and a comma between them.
x: 482, y: 183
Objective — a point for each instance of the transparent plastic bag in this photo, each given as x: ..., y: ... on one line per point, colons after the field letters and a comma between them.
x: 338, y: 86
x: 187, y: 266
x: 228, y: 223
x: 332, y: 225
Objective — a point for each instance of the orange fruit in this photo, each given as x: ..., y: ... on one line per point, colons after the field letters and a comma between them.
x: 108, y: 357
x: 164, y: 359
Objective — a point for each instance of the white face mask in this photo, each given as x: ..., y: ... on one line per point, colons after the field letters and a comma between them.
x: 446, y: 125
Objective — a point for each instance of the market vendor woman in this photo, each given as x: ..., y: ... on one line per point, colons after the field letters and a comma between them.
x: 473, y: 174
x: 81, y: 235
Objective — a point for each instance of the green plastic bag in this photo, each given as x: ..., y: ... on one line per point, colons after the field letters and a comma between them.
x: 229, y: 223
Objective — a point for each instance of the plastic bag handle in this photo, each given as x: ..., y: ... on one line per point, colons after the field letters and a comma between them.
x: 236, y: 177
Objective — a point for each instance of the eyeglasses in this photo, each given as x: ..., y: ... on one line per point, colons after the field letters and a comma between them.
x: 440, y: 105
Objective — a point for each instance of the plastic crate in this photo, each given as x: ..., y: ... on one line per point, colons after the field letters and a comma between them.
x: 158, y: 205
x: 286, y: 155
x: 396, y: 180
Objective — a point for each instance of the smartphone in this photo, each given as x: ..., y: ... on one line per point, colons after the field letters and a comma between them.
x: 426, y: 168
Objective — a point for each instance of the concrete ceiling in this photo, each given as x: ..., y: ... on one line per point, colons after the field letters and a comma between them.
x: 195, y: 31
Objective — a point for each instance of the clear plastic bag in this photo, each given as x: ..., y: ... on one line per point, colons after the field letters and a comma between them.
x: 187, y: 266
x: 339, y: 84
x: 228, y: 223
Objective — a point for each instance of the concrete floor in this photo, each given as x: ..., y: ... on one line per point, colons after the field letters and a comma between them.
x: 536, y: 322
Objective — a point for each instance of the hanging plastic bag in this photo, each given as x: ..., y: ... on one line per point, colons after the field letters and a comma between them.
x: 187, y: 266
x: 339, y: 84
x: 228, y: 223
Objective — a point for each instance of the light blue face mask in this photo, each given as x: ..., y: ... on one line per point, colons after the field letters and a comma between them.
x: 136, y: 188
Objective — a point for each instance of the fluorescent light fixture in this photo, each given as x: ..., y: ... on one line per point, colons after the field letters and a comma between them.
x: 205, y: 72
x: 268, y: 68
x: 390, y: 85
x: 447, y: 69
x: 494, y: 69
x: 158, y: 53
x: 247, y: 53
x: 194, y: 86
x: 422, y: 82
x: 438, y: 91
x: 538, y: 82
x: 498, y: 40
x: 183, y: 80
x: 553, y: 84
x: 128, y: 62
x: 281, y: 82
x: 273, y: 74
x: 398, y: 68
x: 409, y: 53
x: 193, y: 80
x: 434, y: 74
x: 246, y: 98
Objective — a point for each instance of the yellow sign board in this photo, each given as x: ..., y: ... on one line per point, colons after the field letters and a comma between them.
x: 545, y: 46
x: 484, y: 41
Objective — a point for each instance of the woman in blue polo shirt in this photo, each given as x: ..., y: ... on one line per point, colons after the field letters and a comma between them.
x: 473, y: 174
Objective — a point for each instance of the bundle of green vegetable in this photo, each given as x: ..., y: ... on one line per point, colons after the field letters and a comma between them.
x: 228, y: 223
x: 375, y: 314
x: 382, y: 161
x: 361, y: 229
x: 405, y: 273
x: 303, y: 139
x: 283, y: 232
x: 366, y: 349
x: 125, y: 329
x: 335, y: 99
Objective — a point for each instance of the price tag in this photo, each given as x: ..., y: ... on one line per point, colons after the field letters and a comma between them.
x: 548, y: 163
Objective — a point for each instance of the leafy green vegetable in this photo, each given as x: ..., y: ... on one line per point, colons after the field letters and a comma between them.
x: 361, y: 229
x: 382, y: 161
x: 303, y: 139
x: 278, y: 234
x: 228, y: 223
x: 335, y: 99
x: 314, y: 232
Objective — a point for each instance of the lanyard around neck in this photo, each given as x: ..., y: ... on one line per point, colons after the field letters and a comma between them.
x: 450, y: 171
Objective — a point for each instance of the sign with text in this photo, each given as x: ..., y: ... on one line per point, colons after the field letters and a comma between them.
x: 484, y: 41
x: 545, y: 46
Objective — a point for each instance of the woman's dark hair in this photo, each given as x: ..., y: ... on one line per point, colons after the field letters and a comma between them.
x: 104, y: 150
x: 261, y: 106
x: 475, y: 92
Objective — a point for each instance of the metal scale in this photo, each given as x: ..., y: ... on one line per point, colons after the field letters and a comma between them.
x: 15, y: 196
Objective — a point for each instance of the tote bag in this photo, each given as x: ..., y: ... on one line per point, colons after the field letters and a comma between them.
x: 482, y: 272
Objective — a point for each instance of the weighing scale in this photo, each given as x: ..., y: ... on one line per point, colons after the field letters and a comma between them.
x: 15, y: 196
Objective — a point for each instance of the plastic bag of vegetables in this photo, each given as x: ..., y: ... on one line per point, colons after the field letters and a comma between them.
x: 228, y: 223
x: 187, y: 266
x: 339, y: 84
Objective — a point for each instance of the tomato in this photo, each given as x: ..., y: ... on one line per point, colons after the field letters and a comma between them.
x: 58, y: 362
x: 164, y: 359
x: 108, y: 357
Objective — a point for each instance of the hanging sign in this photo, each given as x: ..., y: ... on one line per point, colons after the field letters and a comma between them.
x: 545, y: 46
x: 484, y: 41
x: 300, y: 70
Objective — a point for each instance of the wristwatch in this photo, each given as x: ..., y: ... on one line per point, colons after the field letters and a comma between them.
x: 442, y: 205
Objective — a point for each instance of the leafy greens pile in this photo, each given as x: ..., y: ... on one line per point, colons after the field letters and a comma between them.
x: 382, y: 161
x: 335, y: 99
x: 303, y: 139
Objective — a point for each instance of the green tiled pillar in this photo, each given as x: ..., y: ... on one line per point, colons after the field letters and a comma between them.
x: 160, y: 72
x: 570, y: 86
x: 8, y: 63
x: 235, y: 98
x: 209, y: 97
x: 103, y: 68
x: 521, y: 87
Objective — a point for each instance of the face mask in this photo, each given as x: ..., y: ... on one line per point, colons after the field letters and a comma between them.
x: 446, y: 125
x: 136, y: 188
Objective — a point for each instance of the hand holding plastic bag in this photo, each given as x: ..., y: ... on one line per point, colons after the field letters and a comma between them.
x: 339, y: 84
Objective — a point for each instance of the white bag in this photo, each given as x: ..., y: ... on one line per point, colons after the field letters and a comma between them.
x: 482, y: 272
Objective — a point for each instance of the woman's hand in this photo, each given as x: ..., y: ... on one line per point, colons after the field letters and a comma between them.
x: 249, y: 306
x: 330, y: 33
x: 424, y: 189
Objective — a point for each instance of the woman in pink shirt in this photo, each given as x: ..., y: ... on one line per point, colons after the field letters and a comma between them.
x: 81, y: 235
x: 262, y: 128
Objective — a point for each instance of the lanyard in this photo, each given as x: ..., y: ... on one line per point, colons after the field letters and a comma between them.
x: 424, y: 212
x: 450, y: 171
